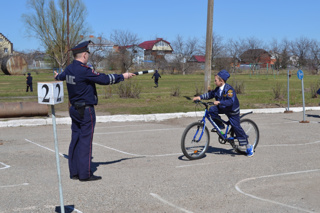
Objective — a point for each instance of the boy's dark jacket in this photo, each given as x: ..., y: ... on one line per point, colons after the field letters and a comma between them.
x: 229, y: 102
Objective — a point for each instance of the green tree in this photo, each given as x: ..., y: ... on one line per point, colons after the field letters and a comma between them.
x: 48, y: 23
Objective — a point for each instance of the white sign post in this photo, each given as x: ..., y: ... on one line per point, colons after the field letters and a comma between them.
x: 51, y: 93
x: 300, y: 76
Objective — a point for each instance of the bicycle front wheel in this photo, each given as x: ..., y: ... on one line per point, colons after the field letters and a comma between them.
x: 195, y: 141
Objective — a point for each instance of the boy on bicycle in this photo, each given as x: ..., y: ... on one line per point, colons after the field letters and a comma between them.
x: 226, y: 103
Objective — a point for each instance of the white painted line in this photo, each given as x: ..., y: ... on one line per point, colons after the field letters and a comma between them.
x: 23, y: 184
x: 279, y: 145
x: 275, y: 175
x: 168, y: 203
x: 24, y: 209
x: 108, y: 127
x: 46, y: 206
x: 146, y: 130
x: 5, y: 166
x: 127, y: 153
x: 299, y: 144
x: 43, y: 147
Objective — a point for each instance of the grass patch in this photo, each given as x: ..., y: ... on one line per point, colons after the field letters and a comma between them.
x: 258, y: 92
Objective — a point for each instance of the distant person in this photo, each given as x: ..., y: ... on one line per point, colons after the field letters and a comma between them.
x: 156, y: 76
x: 81, y: 84
x: 29, y: 82
x: 226, y: 102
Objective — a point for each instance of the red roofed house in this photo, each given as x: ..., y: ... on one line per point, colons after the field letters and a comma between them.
x: 256, y: 56
x: 156, y: 49
x: 198, y: 60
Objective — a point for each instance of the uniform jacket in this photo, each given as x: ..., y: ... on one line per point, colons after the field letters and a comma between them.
x: 29, y: 80
x: 156, y: 75
x: 81, y: 80
x: 229, y: 102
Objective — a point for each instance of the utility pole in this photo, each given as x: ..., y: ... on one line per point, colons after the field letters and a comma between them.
x: 207, y: 69
x: 68, y: 43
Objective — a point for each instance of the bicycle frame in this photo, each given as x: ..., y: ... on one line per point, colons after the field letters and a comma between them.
x: 219, y: 132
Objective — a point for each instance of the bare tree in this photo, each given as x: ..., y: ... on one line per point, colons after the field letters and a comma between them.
x: 285, y: 57
x: 183, y: 51
x: 315, y: 55
x: 235, y: 49
x: 48, y: 24
x: 217, y: 48
x: 99, y: 50
x: 276, y: 53
x: 124, y: 39
x: 300, y: 48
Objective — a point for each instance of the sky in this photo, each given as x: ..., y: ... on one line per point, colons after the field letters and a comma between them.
x: 151, y: 19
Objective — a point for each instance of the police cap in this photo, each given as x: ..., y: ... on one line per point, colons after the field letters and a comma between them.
x: 224, y: 75
x: 82, y: 47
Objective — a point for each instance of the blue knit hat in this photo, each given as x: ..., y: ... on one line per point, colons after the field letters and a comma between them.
x: 224, y: 75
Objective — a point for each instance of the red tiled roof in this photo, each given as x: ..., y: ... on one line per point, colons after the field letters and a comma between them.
x: 200, y: 58
x: 149, y: 44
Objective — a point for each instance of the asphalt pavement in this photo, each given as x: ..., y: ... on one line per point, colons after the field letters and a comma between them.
x: 144, y: 170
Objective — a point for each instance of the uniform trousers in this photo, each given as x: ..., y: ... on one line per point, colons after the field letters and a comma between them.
x: 80, y: 149
x: 31, y: 89
x: 234, y: 119
x: 156, y: 81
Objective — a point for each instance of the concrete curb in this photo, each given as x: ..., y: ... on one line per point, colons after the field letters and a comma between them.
x: 144, y: 118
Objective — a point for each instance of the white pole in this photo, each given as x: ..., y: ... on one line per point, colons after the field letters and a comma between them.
x: 57, y: 157
x: 303, y: 100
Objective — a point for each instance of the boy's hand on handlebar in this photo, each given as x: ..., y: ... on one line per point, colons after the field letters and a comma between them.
x: 197, y: 98
x: 216, y: 103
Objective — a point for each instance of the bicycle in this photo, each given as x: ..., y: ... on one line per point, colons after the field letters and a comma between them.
x: 196, y: 138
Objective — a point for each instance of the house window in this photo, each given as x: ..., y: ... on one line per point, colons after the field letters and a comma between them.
x: 5, y: 50
x: 161, y: 44
x: 1, y: 40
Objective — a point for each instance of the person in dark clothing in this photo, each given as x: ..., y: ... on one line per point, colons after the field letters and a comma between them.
x: 81, y: 82
x: 156, y: 76
x: 226, y: 102
x: 29, y: 83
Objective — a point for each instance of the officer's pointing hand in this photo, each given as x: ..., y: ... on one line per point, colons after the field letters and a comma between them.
x: 55, y: 74
x: 128, y: 75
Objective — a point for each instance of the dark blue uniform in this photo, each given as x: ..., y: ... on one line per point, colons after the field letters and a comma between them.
x: 29, y: 83
x: 156, y: 76
x: 229, y: 105
x: 81, y: 81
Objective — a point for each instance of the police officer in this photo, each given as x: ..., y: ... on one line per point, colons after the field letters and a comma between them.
x: 29, y: 83
x: 226, y: 102
x: 81, y: 80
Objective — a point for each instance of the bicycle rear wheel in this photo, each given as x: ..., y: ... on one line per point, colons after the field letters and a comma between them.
x: 252, y: 132
x: 195, y: 141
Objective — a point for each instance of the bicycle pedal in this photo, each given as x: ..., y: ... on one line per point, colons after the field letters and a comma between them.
x: 221, y: 140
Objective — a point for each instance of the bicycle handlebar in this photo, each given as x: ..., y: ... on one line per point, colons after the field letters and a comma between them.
x: 206, y: 104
